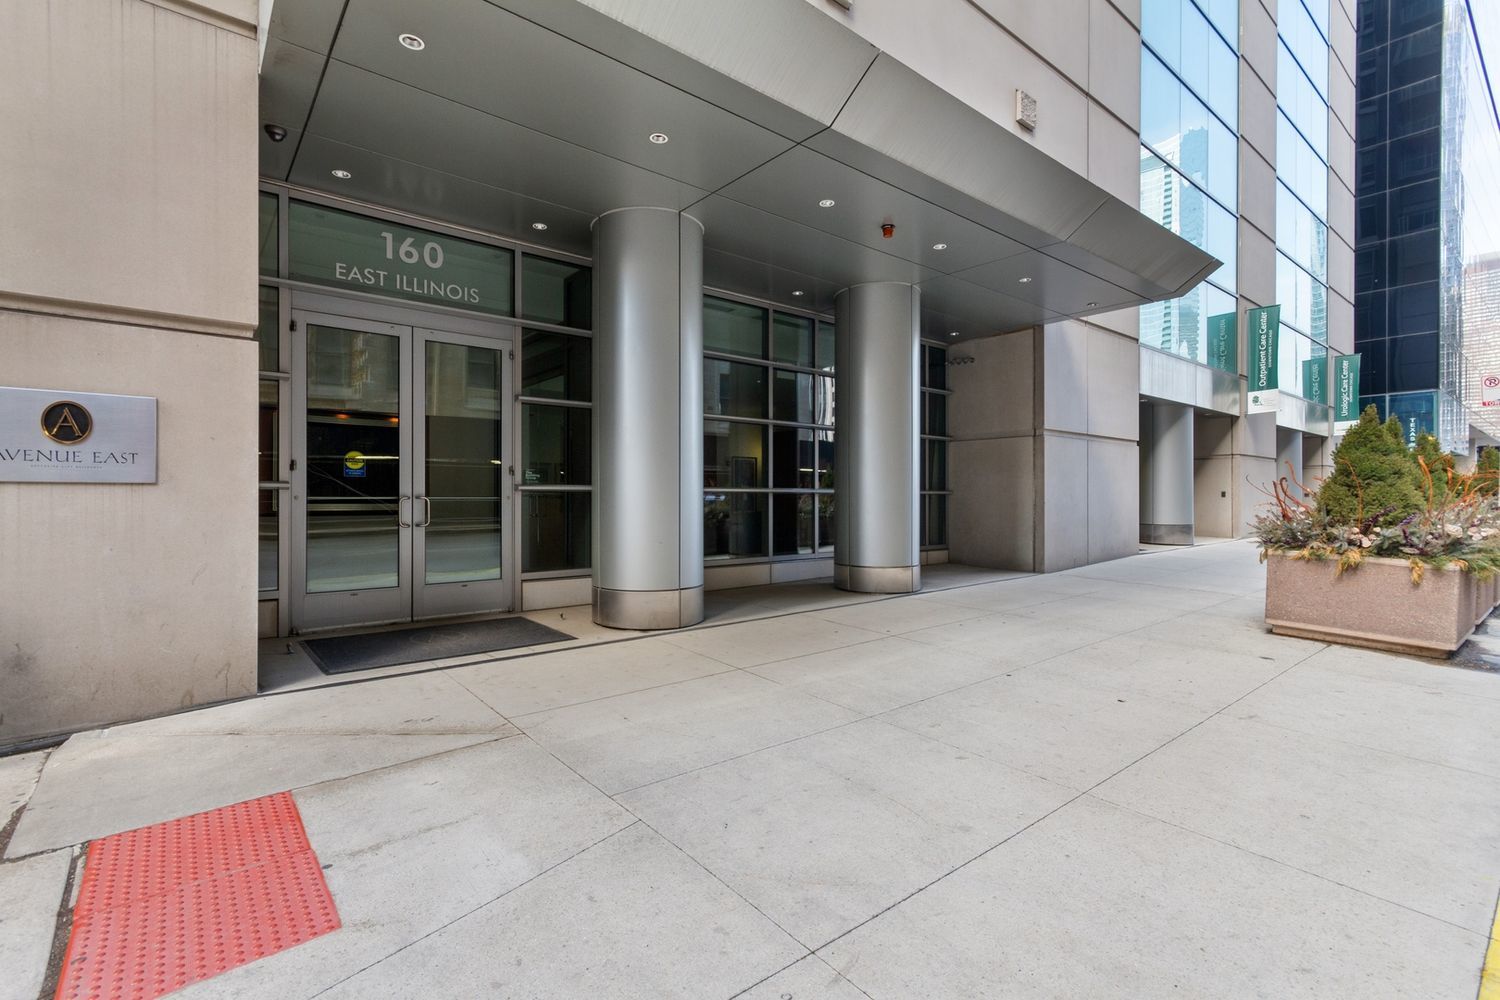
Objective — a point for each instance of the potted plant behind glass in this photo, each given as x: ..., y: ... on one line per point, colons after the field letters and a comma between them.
x: 1395, y: 550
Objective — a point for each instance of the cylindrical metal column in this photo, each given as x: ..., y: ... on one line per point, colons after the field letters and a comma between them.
x: 648, y: 419
x: 876, y: 492
x: 1167, y: 499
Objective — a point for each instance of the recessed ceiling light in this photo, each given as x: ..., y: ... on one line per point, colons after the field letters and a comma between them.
x: 342, y: 175
x: 799, y: 293
x: 940, y: 246
x: 1090, y: 305
x: 827, y: 203
x: 412, y: 42
x: 539, y: 226
x: 658, y: 137
x: 953, y: 333
x: 1025, y: 281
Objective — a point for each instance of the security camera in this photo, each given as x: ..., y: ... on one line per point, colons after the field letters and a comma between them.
x: 276, y: 132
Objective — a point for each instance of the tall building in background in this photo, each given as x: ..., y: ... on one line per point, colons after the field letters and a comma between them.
x: 1427, y: 218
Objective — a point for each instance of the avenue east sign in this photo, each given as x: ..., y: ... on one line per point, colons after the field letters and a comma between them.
x: 61, y: 436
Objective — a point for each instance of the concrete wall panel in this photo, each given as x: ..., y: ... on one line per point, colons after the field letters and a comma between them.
x: 1065, y: 470
x: 1114, y: 58
x: 1114, y: 156
x: 991, y: 514
x: 123, y: 601
x: 1257, y: 190
x: 130, y: 161
x: 1113, y: 499
x: 1257, y: 267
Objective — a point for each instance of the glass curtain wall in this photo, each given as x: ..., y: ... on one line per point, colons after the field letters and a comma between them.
x: 935, y: 491
x: 768, y: 394
x: 1190, y: 156
x: 1469, y: 338
x: 1398, y: 211
x: 556, y: 417
x: 275, y: 379
x: 1302, y: 179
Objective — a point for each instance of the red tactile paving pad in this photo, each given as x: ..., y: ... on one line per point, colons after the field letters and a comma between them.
x: 181, y: 901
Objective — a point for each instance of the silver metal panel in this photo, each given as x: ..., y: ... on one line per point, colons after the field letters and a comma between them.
x: 490, y: 59
x: 645, y: 462
x: 1225, y: 392
x: 760, y: 280
x: 792, y: 185
x: 896, y: 117
x: 1168, y: 378
x: 1167, y: 457
x: 989, y: 311
x: 648, y: 609
x: 878, y: 579
x: 1050, y: 284
x: 105, y: 438
x: 1164, y: 264
x: 356, y: 107
x: 783, y: 64
x: 410, y: 187
x: 1300, y: 414
x: 876, y: 363
x: 288, y: 83
x: 309, y: 24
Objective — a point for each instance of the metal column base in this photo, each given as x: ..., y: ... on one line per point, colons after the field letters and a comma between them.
x: 878, y: 579
x: 1167, y: 534
x: 648, y: 609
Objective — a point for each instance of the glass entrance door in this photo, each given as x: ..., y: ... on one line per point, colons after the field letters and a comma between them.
x: 400, y: 488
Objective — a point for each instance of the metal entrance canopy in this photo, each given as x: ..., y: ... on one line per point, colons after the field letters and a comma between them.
x: 518, y: 112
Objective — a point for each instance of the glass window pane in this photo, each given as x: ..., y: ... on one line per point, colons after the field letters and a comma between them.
x: 385, y: 258
x: 733, y: 328
x: 555, y: 531
x: 792, y: 524
x: 353, y: 459
x: 270, y: 532
x: 734, y: 455
x: 795, y: 458
x: 270, y: 430
x: 823, y: 414
x: 731, y: 389
x: 555, y: 448
x: 935, y: 519
x: 792, y: 340
x: 935, y: 368
x: 1161, y: 27
x: 464, y: 417
x: 935, y: 414
x: 1194, y: 63
x: 1161, y: 112
x: 826, y: 536
x: 792, y: 396
x: 556, y: 366
x: 825, y: 460
x: 734, y: 525
x: 934, y: 465
x: 554, y: 291
x: 270, y: 207
x: 268, y: 329
x: 825, y: 346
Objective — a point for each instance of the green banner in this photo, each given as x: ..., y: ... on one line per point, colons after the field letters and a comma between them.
x: 1345, y: 391
x: 1263, y: 334
x: 1224, y: 342
x: 370, y: 255
x: 1315, y: 380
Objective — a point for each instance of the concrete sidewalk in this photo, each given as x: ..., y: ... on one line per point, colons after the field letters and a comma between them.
x: 1110, y: 782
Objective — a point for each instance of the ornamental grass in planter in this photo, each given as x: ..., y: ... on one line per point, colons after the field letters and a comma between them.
x: 1395, y: 550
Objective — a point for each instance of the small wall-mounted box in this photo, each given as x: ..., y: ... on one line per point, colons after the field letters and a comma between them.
x: 1026, y: 111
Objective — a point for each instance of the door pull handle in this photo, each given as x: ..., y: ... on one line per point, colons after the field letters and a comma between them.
x: 427, y: 502
x: 401, y: 522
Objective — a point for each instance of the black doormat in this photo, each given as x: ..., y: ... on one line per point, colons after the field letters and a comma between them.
x: 343, y: 653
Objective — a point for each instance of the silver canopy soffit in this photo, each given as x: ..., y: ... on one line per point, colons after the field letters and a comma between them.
x: 772, y: 107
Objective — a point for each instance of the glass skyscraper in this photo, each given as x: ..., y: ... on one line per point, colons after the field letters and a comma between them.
x: 1428, y: 152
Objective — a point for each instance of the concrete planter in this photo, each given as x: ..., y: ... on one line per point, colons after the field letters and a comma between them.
x: 1376, y: 604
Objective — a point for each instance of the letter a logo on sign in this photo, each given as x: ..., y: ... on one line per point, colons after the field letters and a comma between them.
x: 67, y: 422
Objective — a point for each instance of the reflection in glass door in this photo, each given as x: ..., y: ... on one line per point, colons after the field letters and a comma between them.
x: 400, y: 498
x: 461, y: 471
